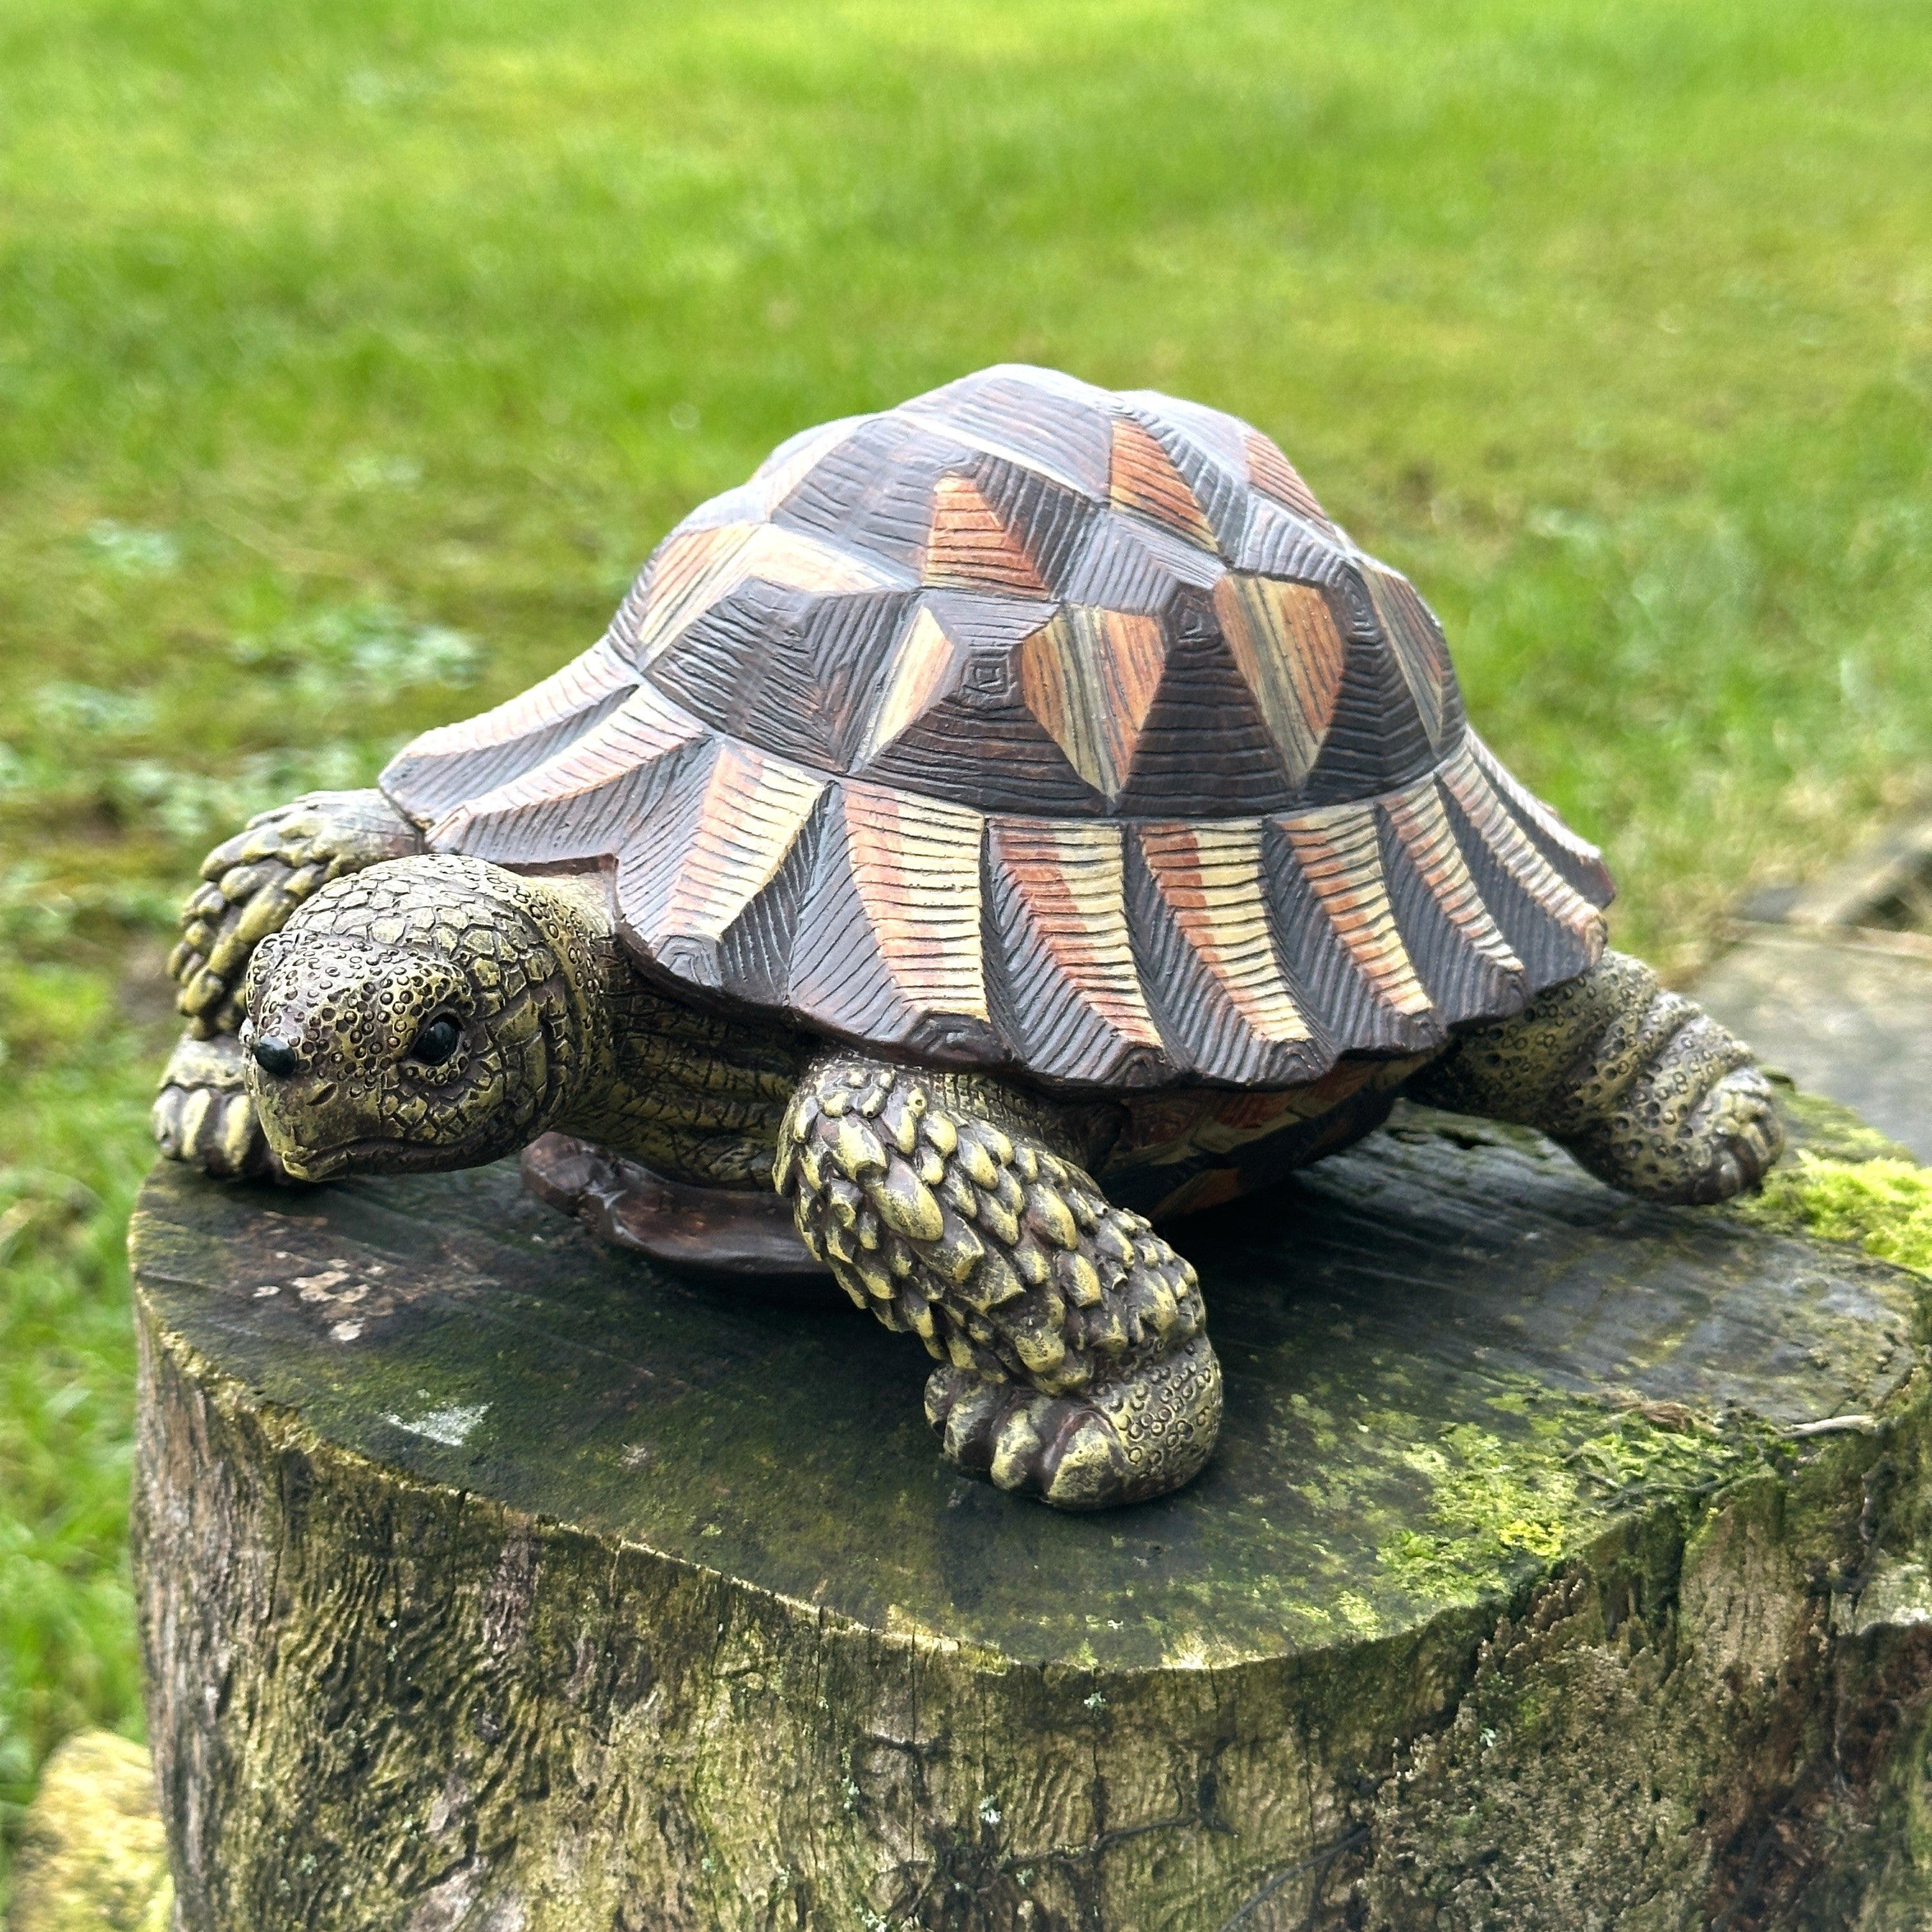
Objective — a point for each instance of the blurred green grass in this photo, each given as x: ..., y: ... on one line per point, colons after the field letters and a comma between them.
x: 351, y: 357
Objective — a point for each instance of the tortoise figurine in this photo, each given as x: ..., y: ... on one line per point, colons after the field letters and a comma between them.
x: 1008, y: 821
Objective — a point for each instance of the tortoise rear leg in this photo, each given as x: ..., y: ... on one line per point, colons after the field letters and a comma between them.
x: 249, y: 885
x: 1644, y: 1088
x: 1074, y: 1363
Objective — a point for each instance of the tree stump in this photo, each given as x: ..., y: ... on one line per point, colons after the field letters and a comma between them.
x: 1560, y: 1566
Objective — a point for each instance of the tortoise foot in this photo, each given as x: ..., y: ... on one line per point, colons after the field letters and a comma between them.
x: 251, y: 883
x: 1739, y: 1124
x: 1647, y: 1091
x: 1141, y: 1435
x: 203, y: 1114
x: 626, y: 1204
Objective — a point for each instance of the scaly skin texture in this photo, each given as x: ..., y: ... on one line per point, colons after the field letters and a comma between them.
x: 251, y: 884
x: 695, y: 1097
x: 353, y: 980
x: 1643, y: 1087
x: 202, y: 1113
x: 1073, y: 1361
x: 552, y: 1029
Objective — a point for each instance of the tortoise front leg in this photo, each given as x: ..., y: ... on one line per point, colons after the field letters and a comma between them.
x: 1643, y: 1087
x: 251, y: 884
x: 1074, y: 1364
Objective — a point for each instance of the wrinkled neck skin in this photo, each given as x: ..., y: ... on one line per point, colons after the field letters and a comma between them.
x: 695, y: 1096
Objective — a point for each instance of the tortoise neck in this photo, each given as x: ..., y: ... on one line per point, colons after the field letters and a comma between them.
x: 695, y: 1095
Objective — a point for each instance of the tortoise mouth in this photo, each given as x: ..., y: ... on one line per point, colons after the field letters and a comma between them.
x: 383, y: 1154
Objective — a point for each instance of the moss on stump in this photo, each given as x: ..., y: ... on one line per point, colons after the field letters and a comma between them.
x: 1561, y: 1566
x: 93, y: 1856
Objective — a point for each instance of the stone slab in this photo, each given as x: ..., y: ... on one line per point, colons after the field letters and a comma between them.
x: 1844, y: 1013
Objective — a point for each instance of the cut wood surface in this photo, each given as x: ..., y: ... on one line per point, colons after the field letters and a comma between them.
x: 1557, y: 1567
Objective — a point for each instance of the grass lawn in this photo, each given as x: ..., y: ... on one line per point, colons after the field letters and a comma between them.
x: 353, y: 356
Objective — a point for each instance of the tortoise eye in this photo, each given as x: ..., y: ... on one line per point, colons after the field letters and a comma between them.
x: 436, y: 1041
x: 273, y: 1055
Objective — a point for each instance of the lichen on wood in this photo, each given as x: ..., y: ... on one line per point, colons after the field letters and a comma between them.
x: 93, y: 1856
x: 1557, y: 1569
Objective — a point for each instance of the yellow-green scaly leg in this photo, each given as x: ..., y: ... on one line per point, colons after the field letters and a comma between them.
x: 1642, y: 1086
x: 1074, y: 1361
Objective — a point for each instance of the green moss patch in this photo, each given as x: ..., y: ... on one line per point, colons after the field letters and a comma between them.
x: 1884, y: 1205
x: 1498, y: 1506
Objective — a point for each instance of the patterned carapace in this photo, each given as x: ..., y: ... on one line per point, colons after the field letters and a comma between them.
x: 1029, y: 725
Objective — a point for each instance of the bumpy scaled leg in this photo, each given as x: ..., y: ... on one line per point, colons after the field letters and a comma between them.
x: 1074, y: 1364
x: 251, y: 884
x: 1641, y: 1086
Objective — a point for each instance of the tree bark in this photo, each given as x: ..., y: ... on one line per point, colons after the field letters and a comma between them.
x: 1558, y: 1568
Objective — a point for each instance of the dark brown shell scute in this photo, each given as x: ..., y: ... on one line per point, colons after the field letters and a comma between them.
x: 1375, y: 722
x: 1030, y: 725
x: 1036, y: 418
x: 447, y: 768
x: 873, y: 491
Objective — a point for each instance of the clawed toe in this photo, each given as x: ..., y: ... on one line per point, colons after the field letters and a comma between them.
x: 203, y: 1116
x: 1746, y: 1135
x: 1140, y: 1436
x: 217, y: 1132
x: 1074, y: 1364
x: 1056, y: 1447
x: 965, y: 1410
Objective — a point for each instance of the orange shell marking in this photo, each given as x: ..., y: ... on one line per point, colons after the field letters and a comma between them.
x: 753, y: 811
x: 1142, y: 477
x: 1469, y: 786
x: 922, y: 661
x: 1090, y: 677
x: 1068, y: 879
x: 1291, y: 655
x: 1341, y: 859
x: 1210, y: 876
x: 915, y: 863
x: 971, y: 545
x: 1422, y: 827
x: 1271, y: 471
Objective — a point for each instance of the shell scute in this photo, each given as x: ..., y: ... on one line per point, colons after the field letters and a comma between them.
x: 1031, y: 725
x: 872, y: 491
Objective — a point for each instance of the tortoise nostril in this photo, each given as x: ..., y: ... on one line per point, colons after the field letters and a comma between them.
x: 273, y: 1055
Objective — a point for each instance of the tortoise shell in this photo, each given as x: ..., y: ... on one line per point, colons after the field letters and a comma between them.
x: 1030, y: 725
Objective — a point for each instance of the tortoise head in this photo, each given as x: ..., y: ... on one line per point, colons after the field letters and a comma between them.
x: 430, y: 1012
